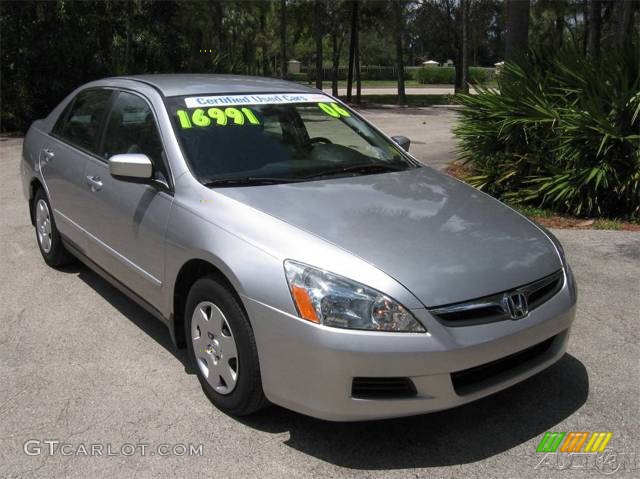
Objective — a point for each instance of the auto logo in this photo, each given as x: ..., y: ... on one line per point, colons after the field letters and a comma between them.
x: 515, y: 304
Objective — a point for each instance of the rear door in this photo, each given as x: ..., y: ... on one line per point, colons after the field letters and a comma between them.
x: 130, y: 219
x: 63, y: 160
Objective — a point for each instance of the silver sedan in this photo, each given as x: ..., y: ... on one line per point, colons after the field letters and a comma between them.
x: 301, y: 256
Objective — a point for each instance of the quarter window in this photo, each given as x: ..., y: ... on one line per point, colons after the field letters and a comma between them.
x: 80, y: 125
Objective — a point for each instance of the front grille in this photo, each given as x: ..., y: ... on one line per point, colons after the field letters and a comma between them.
x: 382, y: 388
x: 473, y: 379
x: 489, y: 309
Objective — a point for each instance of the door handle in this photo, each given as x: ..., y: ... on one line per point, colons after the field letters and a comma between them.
x: 47, y: 155
x: 94, y: 183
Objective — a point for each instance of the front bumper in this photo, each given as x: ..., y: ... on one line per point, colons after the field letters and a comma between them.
x: 310, y: 368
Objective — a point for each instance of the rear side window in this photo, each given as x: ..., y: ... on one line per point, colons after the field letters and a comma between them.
x: 80, y: 125
x: 131, y: 128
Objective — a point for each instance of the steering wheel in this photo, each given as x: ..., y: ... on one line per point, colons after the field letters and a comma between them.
x: 320, y: 139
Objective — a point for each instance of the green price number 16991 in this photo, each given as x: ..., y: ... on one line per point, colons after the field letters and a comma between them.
x: 228, y: 116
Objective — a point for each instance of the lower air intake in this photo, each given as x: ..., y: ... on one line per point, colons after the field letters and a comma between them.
x: 383, y: 388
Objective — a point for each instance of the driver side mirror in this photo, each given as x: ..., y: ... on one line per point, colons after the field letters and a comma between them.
x: 402, y: 141
x: 132, y: 167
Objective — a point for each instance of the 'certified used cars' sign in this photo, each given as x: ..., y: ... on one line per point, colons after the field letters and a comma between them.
x: 194, y: 102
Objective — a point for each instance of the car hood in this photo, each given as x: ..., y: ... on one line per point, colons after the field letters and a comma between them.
x: 443, y: 240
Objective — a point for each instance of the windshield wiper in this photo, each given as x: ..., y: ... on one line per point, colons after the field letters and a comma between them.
x: 248, y: 180
x: 369, y: 168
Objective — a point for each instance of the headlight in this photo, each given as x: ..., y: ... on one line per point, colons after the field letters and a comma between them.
x: 331, y: 300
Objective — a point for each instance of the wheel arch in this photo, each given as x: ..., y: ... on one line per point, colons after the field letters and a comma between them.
x: 34, y: 185
x: 190, y: 272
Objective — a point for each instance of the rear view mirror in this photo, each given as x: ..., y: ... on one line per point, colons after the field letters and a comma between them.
x: 402, y: 141
x: 131, y: 167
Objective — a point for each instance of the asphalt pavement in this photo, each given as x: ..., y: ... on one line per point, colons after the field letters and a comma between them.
x: 83, y: 365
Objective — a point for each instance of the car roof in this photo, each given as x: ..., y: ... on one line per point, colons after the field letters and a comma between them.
x: 175, y: 84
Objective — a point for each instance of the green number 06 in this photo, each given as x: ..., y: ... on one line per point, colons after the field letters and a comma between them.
x: 333, y: 109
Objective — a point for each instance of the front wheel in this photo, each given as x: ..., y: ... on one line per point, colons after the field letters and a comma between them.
x: 222, y: 347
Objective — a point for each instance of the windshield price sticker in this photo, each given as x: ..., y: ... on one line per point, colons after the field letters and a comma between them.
x: 205, y: 117
x: 268, y: 99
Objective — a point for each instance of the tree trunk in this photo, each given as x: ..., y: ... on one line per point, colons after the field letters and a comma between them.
x: 266, y: 70
x: 585, y: 15
x: 318, y: 31
x: 352, y: 46
x: 457, y: 46
x: 283, y: 39
x: 625, y: 18
x: 463, y: 84
x: 595, y: 29
x: 357, y: 66
x: 517, y: 39
x: 398, y: 28
x: 335, y: 51
x: 127, y: 49
x: 559, y: 24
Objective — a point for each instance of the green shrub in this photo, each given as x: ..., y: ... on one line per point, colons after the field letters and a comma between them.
x: 436, y: 75
x: 299, y: 77
x: 560, y: 131
x: 481, y: 75
x: 447, y: 75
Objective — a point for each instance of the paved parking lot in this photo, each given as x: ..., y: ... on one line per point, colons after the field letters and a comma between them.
x: 81, y: 364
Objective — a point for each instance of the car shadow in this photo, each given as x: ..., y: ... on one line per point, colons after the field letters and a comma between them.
x: 465, y: 434
x: 144, y: 320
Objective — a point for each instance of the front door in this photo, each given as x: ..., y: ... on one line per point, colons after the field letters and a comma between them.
x: 130, y: 219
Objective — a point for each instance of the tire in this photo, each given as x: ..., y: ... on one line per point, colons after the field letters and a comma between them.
x: 222, y: 348
x: 47, y: 235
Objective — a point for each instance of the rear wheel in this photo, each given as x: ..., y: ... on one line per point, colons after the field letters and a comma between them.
x: 47, y: 235
x: 222, y: 348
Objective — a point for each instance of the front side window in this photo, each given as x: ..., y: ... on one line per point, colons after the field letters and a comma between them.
x: 131, y: 128
x: 245, y: 139
x: 80, y: 124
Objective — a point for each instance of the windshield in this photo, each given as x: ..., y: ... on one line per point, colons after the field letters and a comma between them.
x: 278, y: 138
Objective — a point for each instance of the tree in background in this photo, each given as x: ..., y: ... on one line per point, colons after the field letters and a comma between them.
x: 49, y: 48
x: 320, y: 13
x: 398, y: 25
x: 336, y: 20
x: 517, y: 40
x: 353, y: 45
x: 595, y: 29
x: 283, y: 39
x: 625, y: 18
x: 462, y: 86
